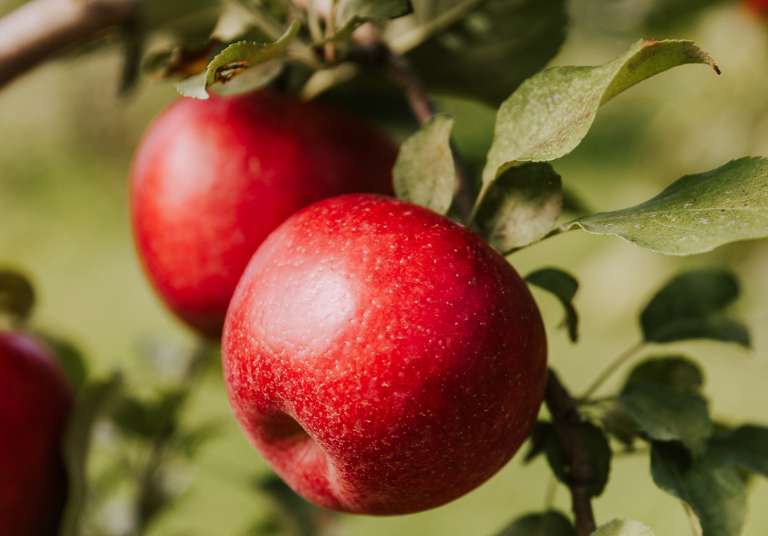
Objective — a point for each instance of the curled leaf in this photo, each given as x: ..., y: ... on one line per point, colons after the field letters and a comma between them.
x: 235, y: 59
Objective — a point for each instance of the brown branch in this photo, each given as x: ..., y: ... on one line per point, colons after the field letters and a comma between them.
x: 40, y: 28
x: 566, y: 419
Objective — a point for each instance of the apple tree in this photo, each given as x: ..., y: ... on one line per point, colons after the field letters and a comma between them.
x: 506, y: 135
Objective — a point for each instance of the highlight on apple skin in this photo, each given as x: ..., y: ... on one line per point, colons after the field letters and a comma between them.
x: 35, y: 404
x: 382, y: 358
x: 211, y: 179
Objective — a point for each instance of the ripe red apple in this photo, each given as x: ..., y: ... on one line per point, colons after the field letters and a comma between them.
x: 211, y: 179
x: 382, y: 358
x: 35, y: 403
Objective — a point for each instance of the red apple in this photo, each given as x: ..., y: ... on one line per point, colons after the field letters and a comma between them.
x: 35, y: 403
x: 382, y: 358
x: 211, y: 179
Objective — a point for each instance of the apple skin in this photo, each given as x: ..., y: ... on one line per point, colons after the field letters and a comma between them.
x: 211, y: 179
x: 382, y: 358
x: 35, y: 404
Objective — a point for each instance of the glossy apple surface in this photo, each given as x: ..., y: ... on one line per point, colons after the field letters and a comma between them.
x: 35, y: 403
x: 382, y: 358
x: 211, y: 179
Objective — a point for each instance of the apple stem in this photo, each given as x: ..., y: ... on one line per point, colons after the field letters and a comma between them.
x: 407, y: 78
x: 566, y: 419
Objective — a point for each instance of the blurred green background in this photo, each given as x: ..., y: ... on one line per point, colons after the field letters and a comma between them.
x: 65, y: 150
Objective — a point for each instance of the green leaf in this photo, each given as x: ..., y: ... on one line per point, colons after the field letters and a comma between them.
x: 666, y: 415
x: 746, y: 446
x: 424, y: 172
x: 353, y: 13
x: 665, y: 13
x: 674, y: 372
x: 236, y: 58
x: 70, y: 358
x: 691, y: 306
x: 147, y: 419
x: 550, y: 523
x: 542, y: 433
x: 696, y: 213
x: 483, y: 49
x: 564, y: 286
x: 17, y: 297
x: 598, y: 451
x: 521, y: 206
x: 710, y: 487
x: 619, y: 423
x: 94, y: 400
x: 623, y: 527
x: 551, y: 112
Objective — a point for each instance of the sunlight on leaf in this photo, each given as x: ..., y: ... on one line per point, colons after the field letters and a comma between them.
x: 551, y: 112
x: 623, y: 527
x: 696, y: 213
x: 424, y: 172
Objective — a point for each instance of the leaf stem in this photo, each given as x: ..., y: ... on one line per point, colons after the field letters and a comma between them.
x: 313, y: 19
x: 330, y: 28
x: 610, y: 369
x: 693, y: 519
x: 566, y: 419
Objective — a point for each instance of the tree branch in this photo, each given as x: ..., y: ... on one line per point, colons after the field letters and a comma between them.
x: 41, y: 28
x: 566, y: 420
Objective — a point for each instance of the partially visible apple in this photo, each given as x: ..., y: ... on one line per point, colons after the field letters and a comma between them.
x: 382, y: 358
x: 35, y: 403
x: 211, y: 179
x: 757, y: 7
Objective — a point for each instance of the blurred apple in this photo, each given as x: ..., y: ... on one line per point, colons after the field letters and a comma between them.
x: 35, y: 403
x: 211, y: 179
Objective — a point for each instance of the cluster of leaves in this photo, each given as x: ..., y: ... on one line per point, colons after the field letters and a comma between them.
x: 661, y: 403
x: 457, y: 45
